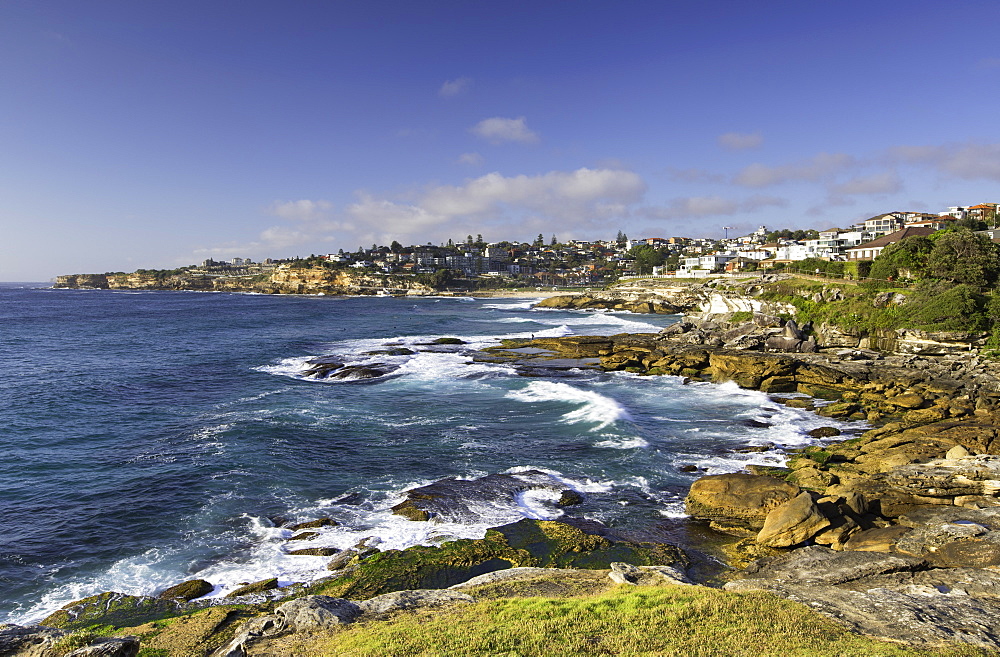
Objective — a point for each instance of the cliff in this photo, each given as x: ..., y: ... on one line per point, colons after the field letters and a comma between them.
x: 283, y: 280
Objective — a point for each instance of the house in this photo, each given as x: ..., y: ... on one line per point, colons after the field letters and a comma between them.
x: 871, y: 250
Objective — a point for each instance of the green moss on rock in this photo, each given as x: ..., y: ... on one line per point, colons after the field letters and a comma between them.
x: 112, y: 608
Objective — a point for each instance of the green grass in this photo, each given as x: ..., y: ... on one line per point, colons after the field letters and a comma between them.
x: 674, y: 620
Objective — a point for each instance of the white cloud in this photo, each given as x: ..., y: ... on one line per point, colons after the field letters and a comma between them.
x: 886, y: 182
x: 303, y: 210
x: 695, y: 176
x: 497, y: 130
x: 968, y: 161
x: 737, y: 141
x: 454, y: 87
x: 471, y: 159
x: 818, y: 167
x: 690, y: 207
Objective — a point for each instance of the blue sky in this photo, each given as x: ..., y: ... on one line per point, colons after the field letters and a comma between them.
x: 157, y: 134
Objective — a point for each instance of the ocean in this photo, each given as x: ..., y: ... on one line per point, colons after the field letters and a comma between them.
x: 154, y: 437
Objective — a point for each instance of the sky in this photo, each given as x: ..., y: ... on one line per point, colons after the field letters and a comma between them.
x: 158, y: 134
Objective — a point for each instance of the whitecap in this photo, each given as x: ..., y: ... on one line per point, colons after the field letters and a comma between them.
x: 594, y: 407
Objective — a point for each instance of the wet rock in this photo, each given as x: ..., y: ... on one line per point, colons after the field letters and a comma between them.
x: 255, y: 587
x: 315, y: 552
x: 792, y: 522
x: 569, y: 498
x: 314, y: 524
x: 360, y: 372
x: 304, y: 536
x: 341, y: 560
x: 189, y: 590
x: 739, y: 497
x: 317, y: 612
x: 823, y: 432
x: 461, y: 500
x: 447, y: 341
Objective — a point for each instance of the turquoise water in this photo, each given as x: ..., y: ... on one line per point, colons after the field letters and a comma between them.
x: 151, y: 437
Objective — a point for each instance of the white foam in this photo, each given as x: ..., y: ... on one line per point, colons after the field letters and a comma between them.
x: 519, y: 305
x: 594, y: 407
x: 623, y: 442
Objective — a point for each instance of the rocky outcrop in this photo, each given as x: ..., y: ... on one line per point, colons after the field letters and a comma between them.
x: 459, y: 500
x: 896, y: 597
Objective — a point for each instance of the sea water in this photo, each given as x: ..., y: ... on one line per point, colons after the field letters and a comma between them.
x: 153, y: 437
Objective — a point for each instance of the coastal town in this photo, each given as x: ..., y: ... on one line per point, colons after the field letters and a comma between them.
x: 548, y: 261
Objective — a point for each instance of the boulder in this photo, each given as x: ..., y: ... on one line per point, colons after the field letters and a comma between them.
x: 793, y: 522
x: 317, y: 612
x: 877, y: 539
x: 626, y: 573
x: 738, y: 497
x: 314, y: 524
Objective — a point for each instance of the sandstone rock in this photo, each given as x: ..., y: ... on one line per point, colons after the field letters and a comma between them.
x: 971, y: 553
x: 820, y: 565
x: 957, y: 452
x: 626, y: 573
x: 508, y: 574
x: 342, y: 560
x: 422, y: 598
x: 741, y: 497
x: 189, y: 590
x: 793, y: 522
x: 823, y: 432
x: 317, y: 612
x: 878, y: 539
x: 251, y: 632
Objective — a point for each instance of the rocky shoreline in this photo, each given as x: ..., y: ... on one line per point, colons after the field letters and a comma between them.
x: 894, y: 533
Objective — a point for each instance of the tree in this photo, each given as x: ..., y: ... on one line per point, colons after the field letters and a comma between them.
x: 540, y: 240
x: 961, y: 256
x: 907, y: 257
x: 622, y: 239
x: 554, y: 241
x: 646, y: 257
x: 395, y: 247
x: 468, y: 240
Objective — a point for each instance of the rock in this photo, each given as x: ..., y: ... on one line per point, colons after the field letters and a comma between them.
x: 252, y: 631
x: 342, y: 560
x: 569, y: 498
x: 626, y: 573
x: 447, y: 341
x: 256, y: 587
x: 824, y: 432
x: 793, y: 522
x: 510, y: 574
x: 112, y: 608
x: 189, y: 590
x: 31, y: 641
x: 460, y: 500
x: 821, y: 565
x: 740, y: 497
x: 315, y: 552
x: 878, y: 539
x: 957, y: 452
x: 413, y: 599
x: 317, y: 612
x: 111, y: 647
x: 304, y: 536
x: 409, y: 510
x: 314, y: 524
x: 969, y: 553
